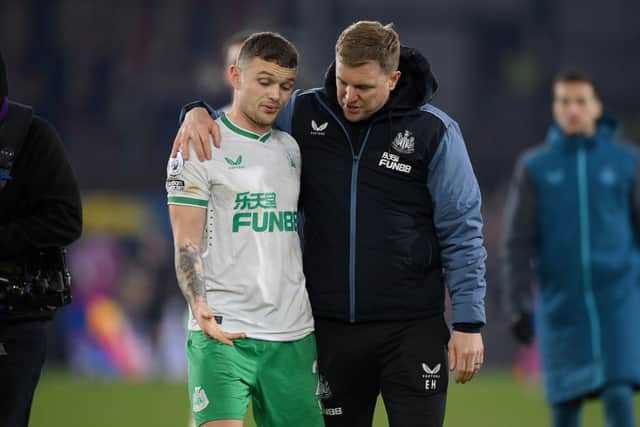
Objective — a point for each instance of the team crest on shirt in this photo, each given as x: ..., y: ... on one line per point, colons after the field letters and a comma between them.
x: 404, y: 143
x: 176, y: 164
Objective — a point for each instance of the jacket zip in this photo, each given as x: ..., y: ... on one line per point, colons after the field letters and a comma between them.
x: 353, y: 206
x: 585, y: 257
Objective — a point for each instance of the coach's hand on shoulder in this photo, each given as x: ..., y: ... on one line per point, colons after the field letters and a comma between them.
x: 205, y: 318
x: 199, y: 129
x: 466, y: 355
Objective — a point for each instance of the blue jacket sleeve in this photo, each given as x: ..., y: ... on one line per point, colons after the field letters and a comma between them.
x: 458, y: 221
x: 285, y: 118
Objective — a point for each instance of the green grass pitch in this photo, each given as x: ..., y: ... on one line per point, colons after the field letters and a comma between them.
x: 493, y: 399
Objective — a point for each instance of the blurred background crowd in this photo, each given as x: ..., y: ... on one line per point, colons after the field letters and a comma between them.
x: 112, y: 76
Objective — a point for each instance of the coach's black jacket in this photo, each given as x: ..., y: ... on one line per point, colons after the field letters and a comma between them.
x: 40, y: 206
x: 390, y: 205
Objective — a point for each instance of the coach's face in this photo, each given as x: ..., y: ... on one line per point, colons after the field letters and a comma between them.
x: 364, y: 89
x: 261, y: 89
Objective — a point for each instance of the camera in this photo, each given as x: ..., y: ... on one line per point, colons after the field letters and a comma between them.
x: 39, y: 282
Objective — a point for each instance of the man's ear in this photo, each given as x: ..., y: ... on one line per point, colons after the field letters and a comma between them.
x: 393, y: 79
x: 600, y: 110
x: 234, y: 76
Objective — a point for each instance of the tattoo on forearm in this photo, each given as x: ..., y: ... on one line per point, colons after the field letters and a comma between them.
x: 190, y: 271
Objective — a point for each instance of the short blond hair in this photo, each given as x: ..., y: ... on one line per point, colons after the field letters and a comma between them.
x: 366, y: 41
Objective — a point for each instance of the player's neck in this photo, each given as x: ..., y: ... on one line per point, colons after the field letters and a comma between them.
x: 243, y: 121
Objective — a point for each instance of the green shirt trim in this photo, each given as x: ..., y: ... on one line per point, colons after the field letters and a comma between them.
x: 188, y: 201
x: 237, y: 129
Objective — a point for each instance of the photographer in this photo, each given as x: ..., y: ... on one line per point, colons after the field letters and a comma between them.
x: 40, y: 213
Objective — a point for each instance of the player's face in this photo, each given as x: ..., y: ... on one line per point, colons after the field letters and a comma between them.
x: 576, y: 107
x: 262, y: 88
x: 364, y: 89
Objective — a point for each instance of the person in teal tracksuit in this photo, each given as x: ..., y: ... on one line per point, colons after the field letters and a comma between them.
x: 573, y: 214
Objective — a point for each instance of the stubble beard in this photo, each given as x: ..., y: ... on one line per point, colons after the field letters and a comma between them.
x: 254, y: 117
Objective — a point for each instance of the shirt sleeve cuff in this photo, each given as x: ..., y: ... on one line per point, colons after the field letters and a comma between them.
x: 469, y: 328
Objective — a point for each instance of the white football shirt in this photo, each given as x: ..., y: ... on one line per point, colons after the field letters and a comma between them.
x: 253, y: 261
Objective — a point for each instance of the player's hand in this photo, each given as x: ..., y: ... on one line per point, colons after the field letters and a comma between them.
x: 198, y: 128
x: 204, y: 316
x: 466, y: 355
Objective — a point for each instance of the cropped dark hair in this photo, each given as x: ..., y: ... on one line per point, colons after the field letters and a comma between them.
x: 575, y: 76
x: 271, y: 47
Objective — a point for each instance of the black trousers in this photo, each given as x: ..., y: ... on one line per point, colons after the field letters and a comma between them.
x: 22, y: 354
x: 405, y: 361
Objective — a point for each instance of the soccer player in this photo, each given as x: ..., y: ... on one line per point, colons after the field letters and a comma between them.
x: 238, y: 257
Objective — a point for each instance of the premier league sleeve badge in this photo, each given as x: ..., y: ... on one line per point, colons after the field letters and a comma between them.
x: 176, y: 164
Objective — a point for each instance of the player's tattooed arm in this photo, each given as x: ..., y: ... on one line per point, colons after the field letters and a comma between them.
x: 188, y: 225
x: 190, y: 272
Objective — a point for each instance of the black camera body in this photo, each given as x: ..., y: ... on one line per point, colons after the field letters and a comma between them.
x: 39, y: 282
